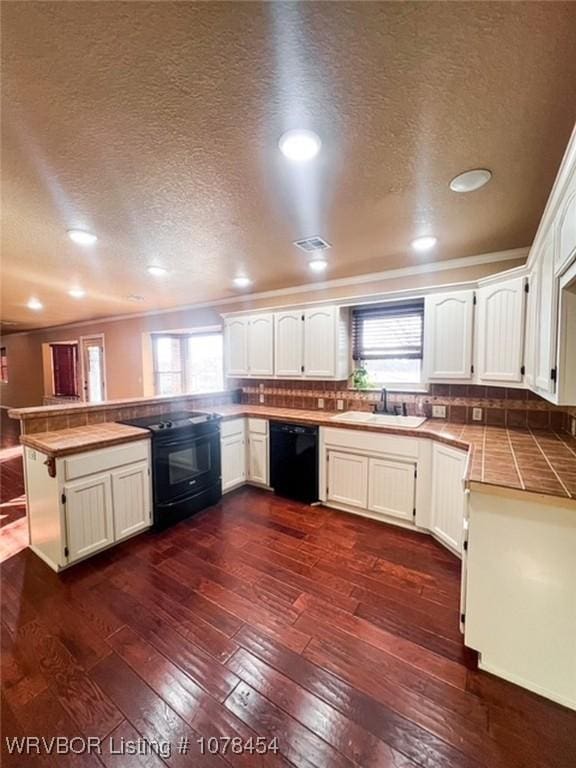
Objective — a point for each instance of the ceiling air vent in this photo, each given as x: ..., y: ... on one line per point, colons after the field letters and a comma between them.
x: 310, y: 244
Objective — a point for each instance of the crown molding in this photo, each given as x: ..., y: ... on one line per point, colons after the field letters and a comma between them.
x: 372, y: 277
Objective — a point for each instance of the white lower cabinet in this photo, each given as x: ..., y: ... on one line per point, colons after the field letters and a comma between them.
x: 348, y: 479
x: 132, y: 502
x: 89, y: 515
x: 258, y: 452
x: 391, y: 488
x: 233, y: 454
x: 90, y: 501
x: 448, y: 469
x: 244, y: 453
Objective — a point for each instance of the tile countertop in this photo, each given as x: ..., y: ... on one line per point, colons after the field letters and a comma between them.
x: 539, y: 461
x: 79, y: 439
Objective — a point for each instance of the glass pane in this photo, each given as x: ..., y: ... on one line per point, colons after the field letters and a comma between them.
x: 394, y: 371
x: 168, y: 357
x: 186, y: 464
x: 169, y: 384
x: 95, y: 367
x: 205, y: 363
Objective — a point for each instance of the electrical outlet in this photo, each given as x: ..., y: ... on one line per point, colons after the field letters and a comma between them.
x: 339, y: 405
x: 477, y: 414
x: 439, y: 411
x: 261, y: 398
x: 320, y: 402
x: 573, y: 428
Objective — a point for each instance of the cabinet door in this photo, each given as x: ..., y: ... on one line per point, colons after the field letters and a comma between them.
x: 289, y: 346
x: 320, y: 333
x: 391, y: 488
x: 448, y: 468
x: 448, y: 335
x: 236, y: 331
x: 547, y: 313
x: 530, y: 344
x: 89, y: 517
x: 501, y: 330
x: 233, y: 456
x: 261, y: 345
x: 566, y: 228
x: 258, y: 458
x: 131, y: 497
x: 348, y: 479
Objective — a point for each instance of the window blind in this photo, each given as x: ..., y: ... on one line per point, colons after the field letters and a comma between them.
x: 388, y: 331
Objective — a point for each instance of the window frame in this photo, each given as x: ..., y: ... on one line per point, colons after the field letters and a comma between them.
x: 183, y: 342
x: 403, y: 307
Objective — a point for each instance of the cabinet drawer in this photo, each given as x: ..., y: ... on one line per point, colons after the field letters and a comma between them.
x: 232, y: 427
x: 91, y: 462
x: 258, y: 426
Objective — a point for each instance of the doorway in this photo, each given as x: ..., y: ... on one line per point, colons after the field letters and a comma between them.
x: 93, y: 368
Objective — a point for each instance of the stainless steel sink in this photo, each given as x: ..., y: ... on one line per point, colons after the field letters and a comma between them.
x: 379, y: 419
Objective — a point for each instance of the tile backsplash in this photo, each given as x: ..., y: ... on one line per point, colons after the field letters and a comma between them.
x: 500, y: 406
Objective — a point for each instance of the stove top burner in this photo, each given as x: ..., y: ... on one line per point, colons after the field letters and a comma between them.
x: 170, y: 421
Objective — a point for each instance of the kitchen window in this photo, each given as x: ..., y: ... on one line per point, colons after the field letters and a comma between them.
x: 387, y: 339
x: 3, y: 365
x: 186, y: 363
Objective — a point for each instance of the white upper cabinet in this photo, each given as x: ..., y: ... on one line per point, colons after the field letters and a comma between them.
x: 321, y: 335
x: 448, y: 328
x: 500, y: 330
x: 546, y: 320
x: 261, y: 345
x: 566, y: 226
x: 289, y: 343
x: 236, y: 331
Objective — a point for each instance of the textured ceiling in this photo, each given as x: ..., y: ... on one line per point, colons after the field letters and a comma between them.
x: 155, y: 125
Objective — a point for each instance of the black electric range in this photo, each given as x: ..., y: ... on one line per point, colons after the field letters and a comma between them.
x: 186, y: 467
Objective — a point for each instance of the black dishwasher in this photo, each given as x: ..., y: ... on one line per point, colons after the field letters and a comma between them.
x: 294, y: 461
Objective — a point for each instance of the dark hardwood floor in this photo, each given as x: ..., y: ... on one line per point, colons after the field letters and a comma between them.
x: 264, y: 617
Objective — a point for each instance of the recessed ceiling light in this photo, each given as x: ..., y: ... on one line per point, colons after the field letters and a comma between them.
x: 157, y: 271
x: 242, y: 282
x: 35, y: 304
x: 318, y: 265
x: 300, y: 145
x: 81, y: 237
x: 424, y: 243
x: 77, y: 293
x: 470, y: 180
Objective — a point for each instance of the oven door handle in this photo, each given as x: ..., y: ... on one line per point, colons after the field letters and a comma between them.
x: 184, y: 443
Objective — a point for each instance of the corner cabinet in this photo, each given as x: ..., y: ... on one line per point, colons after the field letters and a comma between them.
x: 93, y: 500
x: 448, y: 470
x: 500, y: 331
x: 448, y: 319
